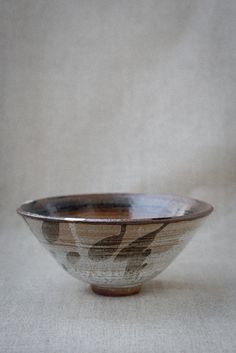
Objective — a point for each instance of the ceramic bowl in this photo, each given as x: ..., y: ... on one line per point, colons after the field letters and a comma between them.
x: 115, y: 242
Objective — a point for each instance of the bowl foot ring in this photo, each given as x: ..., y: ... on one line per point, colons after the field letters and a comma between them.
x: 116, y: 292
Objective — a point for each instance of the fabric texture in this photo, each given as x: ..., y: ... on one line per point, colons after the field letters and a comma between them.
x: 118, y: 96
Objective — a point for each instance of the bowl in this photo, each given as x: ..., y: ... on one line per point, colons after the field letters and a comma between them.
x: 115, y: 242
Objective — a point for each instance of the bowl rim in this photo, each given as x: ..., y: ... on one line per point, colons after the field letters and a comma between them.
x: 205, y: 210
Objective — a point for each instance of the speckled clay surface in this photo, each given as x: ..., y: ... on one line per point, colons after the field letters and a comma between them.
x: 114, y: 255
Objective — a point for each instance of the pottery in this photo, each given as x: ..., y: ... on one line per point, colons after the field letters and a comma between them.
x: 115, y: 242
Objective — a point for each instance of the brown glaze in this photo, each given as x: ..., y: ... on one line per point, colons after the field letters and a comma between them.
x: 116, y: 209
x: 116, y: 292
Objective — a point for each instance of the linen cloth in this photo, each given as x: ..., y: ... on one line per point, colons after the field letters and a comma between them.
x: 118, y: 96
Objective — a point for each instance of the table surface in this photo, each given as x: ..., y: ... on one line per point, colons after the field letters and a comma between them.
x: 190, y: 307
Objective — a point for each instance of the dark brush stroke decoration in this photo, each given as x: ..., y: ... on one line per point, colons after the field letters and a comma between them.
x: 137, y: 251
x: 188, y: 212
x: 106, y: 247
x: 165, y: 243
x: 50, y: 231
x: 139, y: 246
x: 53, y: 253
x: 73, y: 257
x: 64, y: 267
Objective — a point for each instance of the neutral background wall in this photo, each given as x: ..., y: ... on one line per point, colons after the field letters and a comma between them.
x: 103, y: 96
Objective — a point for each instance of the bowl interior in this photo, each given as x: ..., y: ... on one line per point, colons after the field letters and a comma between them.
x: 130, y: 208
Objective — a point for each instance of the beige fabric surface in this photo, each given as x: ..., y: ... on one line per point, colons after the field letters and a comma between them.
x: 104, y: 96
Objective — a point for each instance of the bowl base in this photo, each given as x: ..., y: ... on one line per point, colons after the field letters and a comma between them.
x: 116, y: 292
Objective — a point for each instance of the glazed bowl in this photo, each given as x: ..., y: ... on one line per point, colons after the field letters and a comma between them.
x: 115, y: 242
